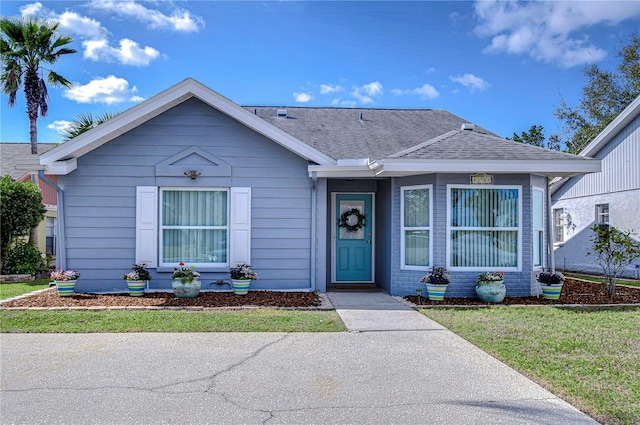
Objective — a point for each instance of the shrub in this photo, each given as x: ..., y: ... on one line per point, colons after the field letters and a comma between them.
x: 24, y: 258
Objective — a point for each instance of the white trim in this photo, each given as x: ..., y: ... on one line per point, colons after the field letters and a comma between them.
x: 334, y: 219
x: 534, y: 229
x: 160, y: 103
x: 403, y: 265
x: 518, y: 229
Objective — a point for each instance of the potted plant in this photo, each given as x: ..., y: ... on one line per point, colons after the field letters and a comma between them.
x: 490, y: 287
x: 65, y: 281
x: 137, y: 279
x: 437, y: 282
x: 551, y: 284
x: 185, y: 281
x: 241, y: 277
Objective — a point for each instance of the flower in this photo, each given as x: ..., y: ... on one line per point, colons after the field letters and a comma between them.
x: 438, y: 276
x: 551, y: 278
x: 243, y: 272
x: 185, y: 274
x: 488, y: 277
x: 63, y: 276
x: 138, y: 272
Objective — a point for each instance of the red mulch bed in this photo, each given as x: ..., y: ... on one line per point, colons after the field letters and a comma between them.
x: 163, y: 299
x: 574, y: 291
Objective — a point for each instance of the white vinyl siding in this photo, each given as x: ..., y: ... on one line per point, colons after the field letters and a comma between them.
x: 484, y: 227
x: 416, y: 216
x: 538, y: 227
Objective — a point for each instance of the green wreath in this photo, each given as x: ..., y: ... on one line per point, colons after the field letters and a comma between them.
x: 345, y: 220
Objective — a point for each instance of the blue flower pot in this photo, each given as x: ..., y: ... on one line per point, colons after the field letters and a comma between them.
x: 241, y: 286
x: 187, y: 289
x: 492, y: 292
x: 436, y: 292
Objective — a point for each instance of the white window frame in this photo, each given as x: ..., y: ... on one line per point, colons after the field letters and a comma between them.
x: 600, y: 214
x: 403, y: 265
x: 161, y: 227
x: 517, y: 229
x: 537, y: 230
x: 559, y: 224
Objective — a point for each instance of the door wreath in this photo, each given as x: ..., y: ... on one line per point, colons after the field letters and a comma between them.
x: 352, y: 220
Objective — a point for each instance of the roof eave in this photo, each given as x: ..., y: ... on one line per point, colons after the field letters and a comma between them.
x: 165, y: 100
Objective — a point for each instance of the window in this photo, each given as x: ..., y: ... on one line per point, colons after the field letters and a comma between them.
x: 484, y: 227
x: 602, y: 214
x: 50, y: 244
x: 416, y: 227
x: 538, y: 227
x: 194, y: 226
x: 559, y: 218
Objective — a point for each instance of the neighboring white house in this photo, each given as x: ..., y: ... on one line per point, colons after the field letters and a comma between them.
x: 611, y: 196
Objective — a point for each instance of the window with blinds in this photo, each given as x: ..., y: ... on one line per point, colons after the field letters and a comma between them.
x: 416, y: 227
x: 194, y: 226
x: 484, y: 227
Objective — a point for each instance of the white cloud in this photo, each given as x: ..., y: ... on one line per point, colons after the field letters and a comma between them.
x: 181, y: 20
x: 471, y: 82
x: 303, y: 97
x: 546, y: 30
x: 71, y: 23
x: 365, y: 94
x: 60, y: 126
x: 426, y: 91
x: 326, y: 89
x: 129, y: 52
x: 110, y: 90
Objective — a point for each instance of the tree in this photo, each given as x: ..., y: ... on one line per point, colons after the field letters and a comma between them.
x: 614, y: 250
x: 85, y: 122
x: 25, y: 46
x: 22, y: 210
x: 604, y: 97
x: 535, y: 136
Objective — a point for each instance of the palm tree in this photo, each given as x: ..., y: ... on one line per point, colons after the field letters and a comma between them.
x: 85, y: 122
x: 25, y: 45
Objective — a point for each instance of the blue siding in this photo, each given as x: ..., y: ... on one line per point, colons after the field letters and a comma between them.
x: 405, y: 282
x: 100, y: 197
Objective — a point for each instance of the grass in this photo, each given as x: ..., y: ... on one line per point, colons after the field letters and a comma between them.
x: 259, y: 320
x: 589, y: 357
x: 629, y: 282
x: 8, y: 290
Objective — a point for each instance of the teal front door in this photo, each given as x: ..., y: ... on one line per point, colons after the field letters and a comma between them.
x: 353, y: 238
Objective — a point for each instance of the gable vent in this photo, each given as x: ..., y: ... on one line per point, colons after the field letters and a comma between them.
x: 468, y: 126
x: 281, y: 113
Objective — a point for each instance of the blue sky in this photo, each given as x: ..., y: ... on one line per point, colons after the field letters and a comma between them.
x: 503, y: 65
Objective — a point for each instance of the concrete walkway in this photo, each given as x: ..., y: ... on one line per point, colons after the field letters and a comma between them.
x: 377, y: 311
x: 395, y: 367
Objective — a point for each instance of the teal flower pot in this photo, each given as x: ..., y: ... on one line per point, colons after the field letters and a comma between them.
x: 65, y: 288
x: 551, y: 292
x: 241, y: 287
x: 436, y: 292
x: 136, y: 287
x: 492, y: 292
x: 187, y: 289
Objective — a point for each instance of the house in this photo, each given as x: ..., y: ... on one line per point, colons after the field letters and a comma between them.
x: 312, y: 198
x: 10, y: 154
x: 611, y: 196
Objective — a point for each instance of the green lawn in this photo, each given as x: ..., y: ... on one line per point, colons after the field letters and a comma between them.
x: 589, y: 357
x: 8, y: 290
x: 258, y: 320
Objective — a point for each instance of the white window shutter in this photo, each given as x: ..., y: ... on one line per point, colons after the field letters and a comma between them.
x: 147, y: 225
x: 240, y: 221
